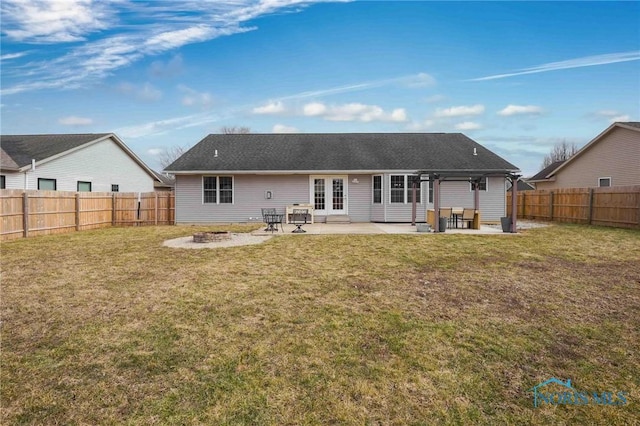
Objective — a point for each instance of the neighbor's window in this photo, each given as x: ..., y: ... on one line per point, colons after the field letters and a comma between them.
x: 46, y: 184
x: 115, y: 188
x: 604, y: 182
x: 482, y: 186
x: 217, y: 189
x: 3, y: 182
x: 397, y: 189
x: 84, y: 186
x: 377, y: 189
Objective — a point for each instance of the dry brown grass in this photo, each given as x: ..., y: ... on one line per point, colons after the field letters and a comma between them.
x: 109, y: 327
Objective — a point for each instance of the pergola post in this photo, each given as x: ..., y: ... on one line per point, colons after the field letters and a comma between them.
x: 476, y: 194
x: 414, y: 203
x: 436, y: 202
x: 514, y: 203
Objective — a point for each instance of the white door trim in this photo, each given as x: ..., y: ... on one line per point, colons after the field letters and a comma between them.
x: 328, y: 194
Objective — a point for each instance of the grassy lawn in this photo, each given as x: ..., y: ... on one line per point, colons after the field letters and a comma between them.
x: 109, y: 327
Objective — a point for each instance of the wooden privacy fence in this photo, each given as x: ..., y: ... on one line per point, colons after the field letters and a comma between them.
x: 614, y: 206
x: 31, y: 213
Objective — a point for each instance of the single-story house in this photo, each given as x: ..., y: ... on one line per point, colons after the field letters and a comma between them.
x: 358, y: 177
x: 611, y: 159
x: 72, y: 162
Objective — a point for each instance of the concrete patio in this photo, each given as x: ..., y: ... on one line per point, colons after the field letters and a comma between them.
x: 377, y: 228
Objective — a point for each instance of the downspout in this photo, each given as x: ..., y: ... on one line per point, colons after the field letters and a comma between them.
x: 26, y: 178
x: 413, y: 204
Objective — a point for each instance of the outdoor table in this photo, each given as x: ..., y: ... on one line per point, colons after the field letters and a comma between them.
x: 456, y: 214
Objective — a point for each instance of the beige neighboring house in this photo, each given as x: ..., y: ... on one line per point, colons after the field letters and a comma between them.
x: 611, y: 159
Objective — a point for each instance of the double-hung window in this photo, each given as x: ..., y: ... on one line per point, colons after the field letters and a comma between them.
x: 402, y: 189
x: 377, y: 189
x: 217, y: 189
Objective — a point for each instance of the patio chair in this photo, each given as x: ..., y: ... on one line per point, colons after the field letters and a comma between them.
x: 299, y: 218
x: 265, y: 213
x: 468, y: 216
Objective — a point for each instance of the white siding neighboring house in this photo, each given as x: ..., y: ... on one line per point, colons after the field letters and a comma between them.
x: 611, y: 159
x: 363, y: 177
x: 73, y: 162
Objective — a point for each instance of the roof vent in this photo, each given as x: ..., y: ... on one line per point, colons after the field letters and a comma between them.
x: 475, y: 152
x: 215, y: 153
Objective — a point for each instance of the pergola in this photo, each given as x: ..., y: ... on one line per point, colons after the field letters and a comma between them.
x: 473, y: 177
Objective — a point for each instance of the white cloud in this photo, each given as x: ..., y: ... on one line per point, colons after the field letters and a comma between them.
x: 73, y: 120
x: 9, y: 56
x: 421, y: 126
x: 46, y: 21
x: 144, y: 93
x: 155, y: 151
x: 612, y: 116
x: 420, y: 80
x: 468, y: 125
x: 276, y: 107
x: 520, y: 110
x: 194, y: 98
x: 354, y: 112
x: 460, y: 111
x: 624, y: 117
x: 314, y: 109
x: 171, y: 68
x: 126, y: 42
x: 281, y: 128
x: 586, y: 61
x: 172, y: 39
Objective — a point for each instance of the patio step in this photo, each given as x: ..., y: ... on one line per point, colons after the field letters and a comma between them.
x: 338, y: 219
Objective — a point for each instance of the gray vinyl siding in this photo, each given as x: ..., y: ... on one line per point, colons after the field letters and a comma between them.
x: 248, y: 198
x: 401, y: 212
x: 359, y: 198
x: 103, y: 163
x: 492, y: 202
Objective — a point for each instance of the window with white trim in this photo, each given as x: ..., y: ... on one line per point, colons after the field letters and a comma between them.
x: 604, y: 182
x: 401, y: 190
x: 430, y: 190
x: 217, y: 189
x: 482, y: 186
x: 115, y: 187
x: 377, y: 189
x: 3, y: 182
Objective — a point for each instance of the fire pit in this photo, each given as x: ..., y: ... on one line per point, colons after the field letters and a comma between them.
x: 211, y: 237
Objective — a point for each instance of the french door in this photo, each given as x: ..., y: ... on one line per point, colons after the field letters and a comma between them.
x: 329, y: 194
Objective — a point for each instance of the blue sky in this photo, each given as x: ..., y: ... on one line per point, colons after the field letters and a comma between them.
x: 517, y: 77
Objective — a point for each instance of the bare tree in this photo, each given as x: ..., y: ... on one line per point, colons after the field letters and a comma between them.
x: 169, y: 155
x: 229, y: 130
x: 560, y: 152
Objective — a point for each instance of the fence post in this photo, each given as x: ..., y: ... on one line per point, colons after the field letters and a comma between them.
x: 551, y: 205
x: 77, y: 211
x: 590, y: 216
x: 25, y: 214
x: 113, y: 209
x: 524, y: 203
x: 156, y: 208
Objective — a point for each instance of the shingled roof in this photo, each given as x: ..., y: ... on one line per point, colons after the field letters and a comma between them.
x: 23, y: 148
x: 338, y: 152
